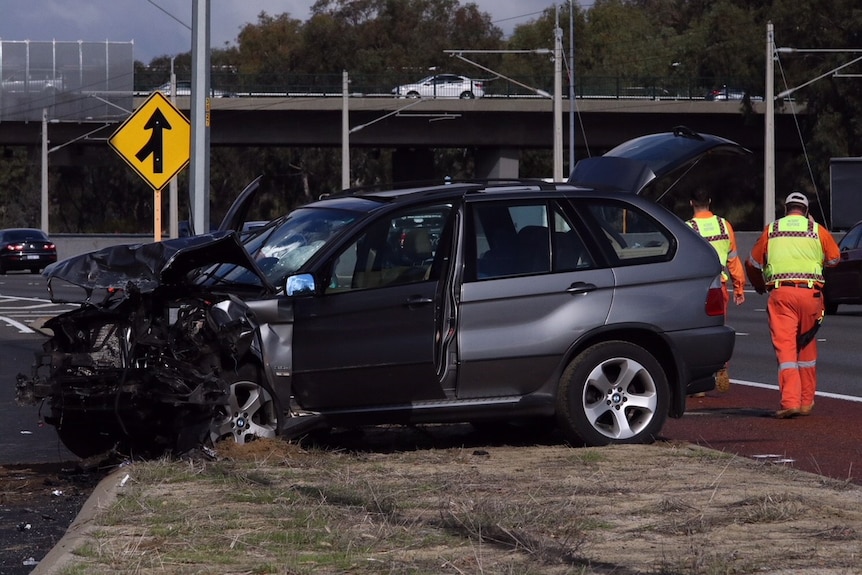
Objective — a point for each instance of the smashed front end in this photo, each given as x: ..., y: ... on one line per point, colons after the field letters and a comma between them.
x: 147, y: 361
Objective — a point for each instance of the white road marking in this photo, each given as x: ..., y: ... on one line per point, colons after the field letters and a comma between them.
x: 31, y: 308
x: 816, y: 393
x: 16, y: 324
x: 22, y: 298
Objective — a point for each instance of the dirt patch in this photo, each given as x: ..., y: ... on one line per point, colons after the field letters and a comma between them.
x: 443, y: 507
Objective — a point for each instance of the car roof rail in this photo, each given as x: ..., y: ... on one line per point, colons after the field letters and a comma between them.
x: 686, y: 132
x: 402, y: 185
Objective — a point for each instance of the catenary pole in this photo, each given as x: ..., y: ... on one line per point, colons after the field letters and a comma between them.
x: 558, y: 99
x: 769, y: 131
x: 345, y: 133
x: 200, y: 98
x: 571, y: 86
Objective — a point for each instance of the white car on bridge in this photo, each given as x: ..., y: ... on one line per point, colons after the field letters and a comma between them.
x: 442, y: 86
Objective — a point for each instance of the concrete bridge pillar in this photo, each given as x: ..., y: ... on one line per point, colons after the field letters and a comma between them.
x: 497, y: 163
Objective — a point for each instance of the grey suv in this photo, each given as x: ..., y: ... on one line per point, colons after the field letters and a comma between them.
x: 502, y: 301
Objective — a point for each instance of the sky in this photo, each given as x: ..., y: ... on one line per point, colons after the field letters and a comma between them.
x: 160, y: 27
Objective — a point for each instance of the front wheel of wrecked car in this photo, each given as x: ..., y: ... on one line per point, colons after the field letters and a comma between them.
x: 253, y: 410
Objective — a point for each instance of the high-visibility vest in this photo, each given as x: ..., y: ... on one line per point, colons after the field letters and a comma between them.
x: 714, y: 230
x: 793, y: 251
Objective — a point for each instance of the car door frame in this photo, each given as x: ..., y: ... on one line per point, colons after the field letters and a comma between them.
x: 373, y: 347
x: 499, y: 363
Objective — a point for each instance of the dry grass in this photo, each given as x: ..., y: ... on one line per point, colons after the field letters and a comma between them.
x: 274, y: 507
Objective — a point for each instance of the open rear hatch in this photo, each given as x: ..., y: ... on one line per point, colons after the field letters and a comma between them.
x: 667, y: 167
x: 634, y: 164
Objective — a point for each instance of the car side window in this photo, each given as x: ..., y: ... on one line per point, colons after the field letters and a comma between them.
x: 851, y: 240
x: 395, y: 250
x: 627, y: 235
x: 513, y: 239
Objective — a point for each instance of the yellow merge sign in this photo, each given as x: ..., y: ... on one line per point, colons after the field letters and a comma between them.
x: 154, y: 140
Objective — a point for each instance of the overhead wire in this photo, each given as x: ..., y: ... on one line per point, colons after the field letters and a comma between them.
x: 801, y: 140
x: 570, y: 68
x: 169, y: 14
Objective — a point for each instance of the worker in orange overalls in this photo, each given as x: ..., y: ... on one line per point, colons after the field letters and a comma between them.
x: 787, y: 261
x: 720, y: 235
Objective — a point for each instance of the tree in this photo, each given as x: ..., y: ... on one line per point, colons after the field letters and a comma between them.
x: 270, y: 50
x: 19, y: 190
x: 830, y: 125
x: 400, y: 38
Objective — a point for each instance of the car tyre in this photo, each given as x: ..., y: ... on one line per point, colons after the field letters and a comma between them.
x: 253, y: 410
x: 413, y: 94
x: 614, y: 392
x: 467, y: 95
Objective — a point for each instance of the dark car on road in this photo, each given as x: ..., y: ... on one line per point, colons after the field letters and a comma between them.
x: 490, y: 302
x: 844, y: 281
x: 25, y: 249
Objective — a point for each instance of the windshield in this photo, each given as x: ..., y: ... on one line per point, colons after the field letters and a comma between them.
x: 282, y: 248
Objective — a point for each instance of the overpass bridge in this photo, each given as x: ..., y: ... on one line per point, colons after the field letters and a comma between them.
x: 499, y: 128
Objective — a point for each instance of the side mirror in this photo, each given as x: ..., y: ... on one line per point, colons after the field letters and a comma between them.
x: 302, y: 284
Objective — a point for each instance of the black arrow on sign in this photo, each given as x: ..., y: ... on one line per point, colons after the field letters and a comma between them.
x: 154, y: 146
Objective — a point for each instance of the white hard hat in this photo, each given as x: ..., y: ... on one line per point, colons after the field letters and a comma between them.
x: 796, y: 198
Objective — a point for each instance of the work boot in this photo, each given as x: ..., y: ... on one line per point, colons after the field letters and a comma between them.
x: 806, y: 409
x: 722, y: 380
x: 787, y: 413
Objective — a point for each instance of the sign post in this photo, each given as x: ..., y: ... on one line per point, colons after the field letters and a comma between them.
x: 155, y: 142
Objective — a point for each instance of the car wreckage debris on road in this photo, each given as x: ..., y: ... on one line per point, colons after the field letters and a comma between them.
x: 380, y: 306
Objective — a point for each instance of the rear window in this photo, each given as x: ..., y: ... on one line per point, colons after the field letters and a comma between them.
x: 626, y: 234
x: 22, y: 235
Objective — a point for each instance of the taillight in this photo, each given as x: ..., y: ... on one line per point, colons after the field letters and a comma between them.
x: 715, y: 298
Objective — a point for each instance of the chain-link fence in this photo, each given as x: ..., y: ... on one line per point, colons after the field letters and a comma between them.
x: 73, y: 81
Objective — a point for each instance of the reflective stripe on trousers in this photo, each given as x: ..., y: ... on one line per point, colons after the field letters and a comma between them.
x: 793, y: 311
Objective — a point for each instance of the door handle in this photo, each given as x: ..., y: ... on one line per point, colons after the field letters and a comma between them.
x: 581, y: 287
x: 417, y: 300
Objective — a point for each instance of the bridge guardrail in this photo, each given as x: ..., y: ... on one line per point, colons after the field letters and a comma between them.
x: 330, y: 85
